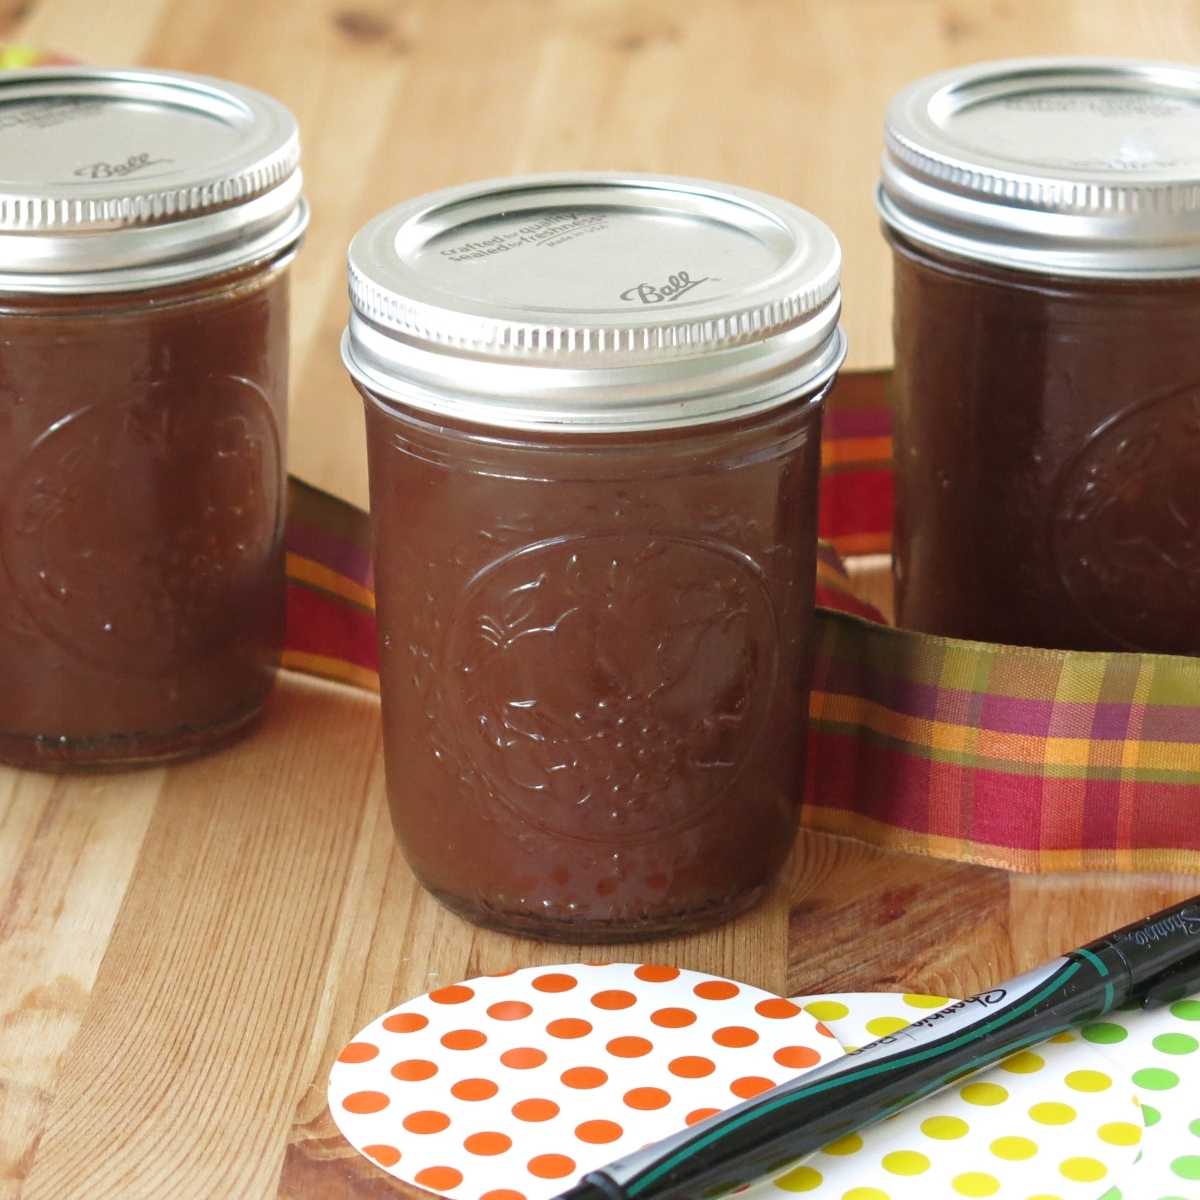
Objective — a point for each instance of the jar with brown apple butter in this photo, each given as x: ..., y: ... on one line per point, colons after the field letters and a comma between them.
x: 593, y: 421
x: 147, y: 223
x: 1044, y: 216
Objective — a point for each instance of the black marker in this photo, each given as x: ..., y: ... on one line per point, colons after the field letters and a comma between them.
x: 1155, y: 961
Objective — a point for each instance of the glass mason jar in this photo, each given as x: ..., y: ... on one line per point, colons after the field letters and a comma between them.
x: 593, y: 422
x: 147, y: 222
x: 1045, y: 223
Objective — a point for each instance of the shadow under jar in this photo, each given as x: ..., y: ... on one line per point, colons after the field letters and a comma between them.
x: 1045, y: 222
x: 147, y: 222
x: 593, y: 421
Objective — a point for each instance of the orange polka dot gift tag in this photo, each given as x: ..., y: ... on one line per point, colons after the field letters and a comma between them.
x: 511, y: 1087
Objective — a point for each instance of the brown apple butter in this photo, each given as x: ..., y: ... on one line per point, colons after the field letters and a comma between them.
x: 1048, y: 442
x: 1044, y: 218
x: 143, y: 398
x: 594, y: 543
x: 595, y: 660
x: 141, y: 519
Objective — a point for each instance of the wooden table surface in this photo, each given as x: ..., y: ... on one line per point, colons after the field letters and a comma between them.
x: 183, y: 951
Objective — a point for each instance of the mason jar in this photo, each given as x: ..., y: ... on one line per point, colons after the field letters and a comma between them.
x: 1045, y: 221
x: 147, y: 222
x: 593, y: 409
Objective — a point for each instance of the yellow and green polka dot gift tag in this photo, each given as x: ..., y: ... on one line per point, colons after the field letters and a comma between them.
x: 1158, y: 1053
x: 1111, y: 1112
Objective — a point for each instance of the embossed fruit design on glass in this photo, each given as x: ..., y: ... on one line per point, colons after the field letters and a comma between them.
x: 143, y: 399
x: 1045, y: 222
x: 594, y: 540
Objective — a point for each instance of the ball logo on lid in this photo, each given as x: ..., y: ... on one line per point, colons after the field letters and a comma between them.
x: 1127, y: 524
x: 613, y: 686
x: 676, y: 286
x: 118, y: 170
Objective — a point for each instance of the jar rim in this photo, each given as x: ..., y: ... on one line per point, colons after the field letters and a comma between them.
x: 130, y: 179
x: 508, y: 302
x: 1073, y: 166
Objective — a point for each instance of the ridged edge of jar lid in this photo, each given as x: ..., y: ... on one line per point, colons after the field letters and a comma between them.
x: 526, y: 338
x: 1027, y: 216
x: 31, y: 214
x: 677, y: 403
x: 224, y: 250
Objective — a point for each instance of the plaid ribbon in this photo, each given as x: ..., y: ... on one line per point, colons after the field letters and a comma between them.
x: 856, y: 464
x: 1031, y: 760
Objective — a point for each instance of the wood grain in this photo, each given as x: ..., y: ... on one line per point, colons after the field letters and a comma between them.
x: 68, y: 850
x: 182, y: 952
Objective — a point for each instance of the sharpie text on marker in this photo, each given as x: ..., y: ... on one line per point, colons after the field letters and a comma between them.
x: 1187, y: 923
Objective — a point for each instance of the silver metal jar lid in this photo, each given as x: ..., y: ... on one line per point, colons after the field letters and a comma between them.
x: 1066, y: 166
x: 114, y: 180
x: 594, y: 301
